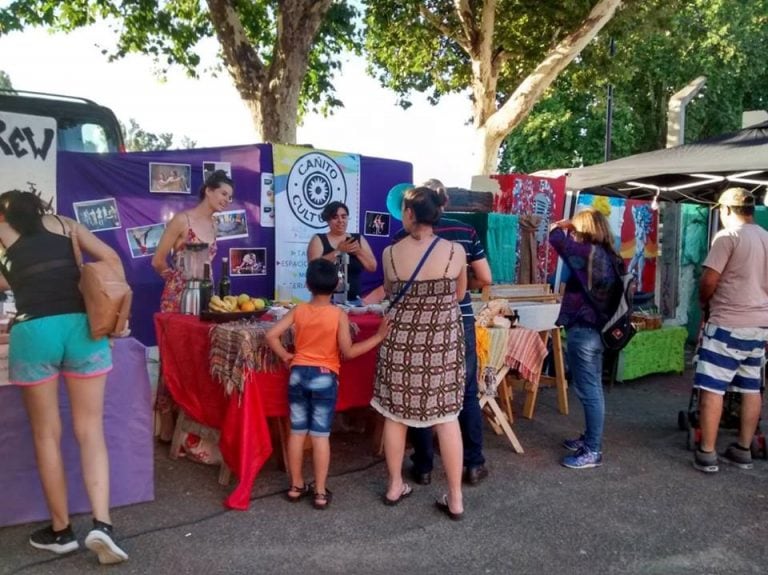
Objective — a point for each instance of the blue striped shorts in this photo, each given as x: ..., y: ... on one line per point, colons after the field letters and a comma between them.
x: 730, y: 359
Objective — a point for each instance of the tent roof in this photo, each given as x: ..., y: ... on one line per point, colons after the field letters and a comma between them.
x: 692, y: 172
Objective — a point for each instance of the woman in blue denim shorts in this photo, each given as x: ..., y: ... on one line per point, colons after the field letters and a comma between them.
x: 321, y: 334
x: 50, y: 337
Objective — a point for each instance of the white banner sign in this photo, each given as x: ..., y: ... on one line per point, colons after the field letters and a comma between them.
x: 305, y: 182
x: 28, y: 154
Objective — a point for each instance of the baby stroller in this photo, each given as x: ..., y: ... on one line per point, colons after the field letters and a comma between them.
x: 688, y: 421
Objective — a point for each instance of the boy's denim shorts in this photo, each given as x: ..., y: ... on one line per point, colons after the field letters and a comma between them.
x: 312, y: 395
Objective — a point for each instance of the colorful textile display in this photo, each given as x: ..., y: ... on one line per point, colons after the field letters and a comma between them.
x: 525, y: 353
x: 501, y: 243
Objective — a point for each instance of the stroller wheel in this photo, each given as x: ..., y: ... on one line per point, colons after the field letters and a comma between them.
x: 693, y: 440
x: 682, y: 420
x: 758, y: 447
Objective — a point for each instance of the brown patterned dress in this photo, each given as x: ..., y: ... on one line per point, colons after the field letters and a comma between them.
x: 420, y: 370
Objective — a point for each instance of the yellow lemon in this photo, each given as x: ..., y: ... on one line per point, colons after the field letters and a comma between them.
x: 242, y: 298
x: 259, y: 304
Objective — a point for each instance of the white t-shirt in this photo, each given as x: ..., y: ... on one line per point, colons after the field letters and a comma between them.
x: 740, y: 255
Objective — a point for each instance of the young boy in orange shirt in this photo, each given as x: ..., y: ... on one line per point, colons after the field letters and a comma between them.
x: 321, y: 332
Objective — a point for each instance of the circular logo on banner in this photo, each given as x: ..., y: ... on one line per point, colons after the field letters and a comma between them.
x: 314, y: 181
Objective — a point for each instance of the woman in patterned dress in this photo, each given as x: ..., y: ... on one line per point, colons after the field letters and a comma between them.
x: 420, y: 372
x: 190, y: 226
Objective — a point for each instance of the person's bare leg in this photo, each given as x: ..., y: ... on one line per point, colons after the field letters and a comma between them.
x: 394, y: 451
x: 42, y: 404
x: 321, y: 461
x: 86, y: 396
x: 452, y: 455
x: 296, y: 458
x: 751, y: 404
x: 710, y: 411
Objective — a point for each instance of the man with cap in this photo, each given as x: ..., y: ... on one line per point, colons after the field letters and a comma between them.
x: 471, y: 417
x: 733, y: 293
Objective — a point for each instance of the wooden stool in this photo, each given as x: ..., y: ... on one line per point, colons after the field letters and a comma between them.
x: 188, y: 425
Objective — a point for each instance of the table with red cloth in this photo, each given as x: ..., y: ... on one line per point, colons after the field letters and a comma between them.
x: 245, y: 443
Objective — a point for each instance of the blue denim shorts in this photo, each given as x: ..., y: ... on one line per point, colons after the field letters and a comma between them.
x: 42, y: 348
x: 312, y: 395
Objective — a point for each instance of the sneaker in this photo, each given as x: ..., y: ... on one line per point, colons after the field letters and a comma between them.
x: 705, y: 461
x: 60, y: 542
x: 574, y: 444
x: 99, y: 540
x: 583, y: 459
x: 738, y: 456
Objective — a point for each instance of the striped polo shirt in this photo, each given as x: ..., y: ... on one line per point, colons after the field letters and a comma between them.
x: 464, y: 234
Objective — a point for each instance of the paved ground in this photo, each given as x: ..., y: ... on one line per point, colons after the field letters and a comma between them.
x: 645, y: 511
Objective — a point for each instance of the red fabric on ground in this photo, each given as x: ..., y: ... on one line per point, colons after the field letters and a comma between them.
x: 245, y: 441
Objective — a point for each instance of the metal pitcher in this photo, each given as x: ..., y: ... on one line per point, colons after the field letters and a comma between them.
x: 190, y: 298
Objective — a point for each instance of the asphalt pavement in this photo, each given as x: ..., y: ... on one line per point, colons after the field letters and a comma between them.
x: 646, y: 510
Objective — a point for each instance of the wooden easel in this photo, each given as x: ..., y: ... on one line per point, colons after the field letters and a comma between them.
x: 526, y: 294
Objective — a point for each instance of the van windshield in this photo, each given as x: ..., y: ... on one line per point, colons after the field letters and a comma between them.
x: 83, y: 137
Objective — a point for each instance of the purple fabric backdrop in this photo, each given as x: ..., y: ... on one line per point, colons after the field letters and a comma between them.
x: 128, y: 429
x: 83, y: 177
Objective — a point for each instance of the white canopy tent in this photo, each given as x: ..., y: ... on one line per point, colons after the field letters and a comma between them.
x: 695, y: 172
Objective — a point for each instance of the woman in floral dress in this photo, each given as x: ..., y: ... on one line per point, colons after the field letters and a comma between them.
x: 190, y: 226
x: 420, y: 372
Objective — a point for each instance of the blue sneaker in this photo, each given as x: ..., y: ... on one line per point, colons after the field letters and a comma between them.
x: 583, y: 459
x: 574, y: 444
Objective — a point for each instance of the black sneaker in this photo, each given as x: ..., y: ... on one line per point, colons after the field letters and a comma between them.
x: 737, y: 455
x: 99, y: 540
x: 60, y: 542
x: 705, y: 461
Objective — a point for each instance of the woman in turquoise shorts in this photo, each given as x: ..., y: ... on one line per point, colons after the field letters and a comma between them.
x: 49, y: 338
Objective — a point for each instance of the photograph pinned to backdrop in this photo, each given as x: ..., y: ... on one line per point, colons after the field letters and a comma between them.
x: 98, y: 215
x: 267, y: 219
x: 247, y: 261
x: 230, y: 225
x: 210, y: 167
x: 376, y: 224
x: 170, y: 178
x: 143, y: 240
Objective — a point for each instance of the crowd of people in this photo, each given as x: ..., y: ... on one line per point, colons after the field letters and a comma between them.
x: 426, y: 373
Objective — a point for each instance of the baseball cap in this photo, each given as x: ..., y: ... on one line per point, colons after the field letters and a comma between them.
x: 736, y: 198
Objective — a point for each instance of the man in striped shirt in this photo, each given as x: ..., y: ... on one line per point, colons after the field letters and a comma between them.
x: 734, y: 294
x: 471, y: 417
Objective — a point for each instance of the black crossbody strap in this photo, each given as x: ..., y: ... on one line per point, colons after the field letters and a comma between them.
x: 616, y: 270
x: 407, y: 285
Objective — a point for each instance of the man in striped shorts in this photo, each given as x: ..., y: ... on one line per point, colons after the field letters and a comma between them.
x: 734, y: 295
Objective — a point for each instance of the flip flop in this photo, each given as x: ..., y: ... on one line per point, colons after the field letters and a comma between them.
x: 404, y: 492
x: 442, y: 505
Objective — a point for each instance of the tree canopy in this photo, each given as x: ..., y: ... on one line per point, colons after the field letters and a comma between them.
x: 661, y: 46
x: 281, y: 55
x: 137, y: 139
x: 506, y: 53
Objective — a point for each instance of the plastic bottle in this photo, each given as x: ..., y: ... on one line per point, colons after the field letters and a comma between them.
x: 225, y: 285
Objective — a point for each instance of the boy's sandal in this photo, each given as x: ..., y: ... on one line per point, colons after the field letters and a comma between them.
x: 322, y: 500
x: 296, y: 493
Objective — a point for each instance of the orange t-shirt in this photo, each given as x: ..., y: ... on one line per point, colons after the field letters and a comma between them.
x: 317, y: 336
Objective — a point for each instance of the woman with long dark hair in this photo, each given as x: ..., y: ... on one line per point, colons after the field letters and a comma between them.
x: 585, y: 244
x: 50, y: 337
x: 188, y: 227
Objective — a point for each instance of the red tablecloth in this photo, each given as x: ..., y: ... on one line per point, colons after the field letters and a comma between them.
x: 245, y: 442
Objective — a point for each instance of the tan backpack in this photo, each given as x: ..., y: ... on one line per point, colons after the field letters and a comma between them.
x: 106, y: 293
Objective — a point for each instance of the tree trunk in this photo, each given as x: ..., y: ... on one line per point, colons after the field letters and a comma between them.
x: 493, y: 128
x: 270, y: 92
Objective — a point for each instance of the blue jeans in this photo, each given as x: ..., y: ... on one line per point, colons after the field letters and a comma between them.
x: 312, y: 395
x: 584, y: 352
x: 470, y: 418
